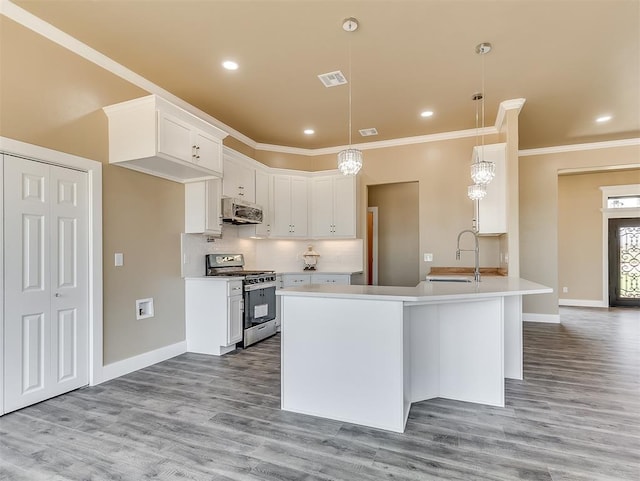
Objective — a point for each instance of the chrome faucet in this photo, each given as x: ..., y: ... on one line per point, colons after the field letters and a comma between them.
x: 476, y: 272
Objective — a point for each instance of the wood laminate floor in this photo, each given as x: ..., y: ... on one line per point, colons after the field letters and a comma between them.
x: 576, y: 416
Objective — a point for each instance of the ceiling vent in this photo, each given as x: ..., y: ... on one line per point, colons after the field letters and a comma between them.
x: 332, y: 79
x: 368, y: 132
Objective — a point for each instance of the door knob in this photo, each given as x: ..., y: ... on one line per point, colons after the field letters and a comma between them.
x: 57, y: 294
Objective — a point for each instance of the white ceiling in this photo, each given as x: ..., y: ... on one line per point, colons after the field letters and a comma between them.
x: 572, y: 60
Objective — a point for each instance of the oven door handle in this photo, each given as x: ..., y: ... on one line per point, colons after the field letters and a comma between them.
x: 258, y: 286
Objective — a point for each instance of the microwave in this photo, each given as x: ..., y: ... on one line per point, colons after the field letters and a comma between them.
x: 236, y: 211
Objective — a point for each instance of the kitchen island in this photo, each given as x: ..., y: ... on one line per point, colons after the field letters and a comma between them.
x: 364, y: 354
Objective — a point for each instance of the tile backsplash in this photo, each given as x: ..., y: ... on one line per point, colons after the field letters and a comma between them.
x: 281, y: 255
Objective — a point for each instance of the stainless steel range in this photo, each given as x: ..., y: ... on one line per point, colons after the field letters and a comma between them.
x: 259, y: 295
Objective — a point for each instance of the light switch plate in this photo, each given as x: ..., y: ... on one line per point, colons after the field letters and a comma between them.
x: 118, y: 259
x: 428, y: 257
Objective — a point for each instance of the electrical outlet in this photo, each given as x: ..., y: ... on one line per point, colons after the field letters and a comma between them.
x: 565, y: 290
x: 428, y: 257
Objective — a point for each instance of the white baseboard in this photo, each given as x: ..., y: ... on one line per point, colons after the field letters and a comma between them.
x: 120, y: 368
x: 550, y: 318
x: 582, y: 303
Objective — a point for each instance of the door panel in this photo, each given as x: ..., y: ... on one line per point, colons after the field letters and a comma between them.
x: 33, y: 258
x: 33, y: 350
x: 69, y: 275
x: 624, y: 262
x: 67, y: 342
x: 46, y: 281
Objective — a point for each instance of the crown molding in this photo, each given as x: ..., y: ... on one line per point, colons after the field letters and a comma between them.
x: 579, y: 147
x: 513, y: 104
x: 381, y: 144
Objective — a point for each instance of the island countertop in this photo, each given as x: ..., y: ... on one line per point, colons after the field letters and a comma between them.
x: 424, y: 292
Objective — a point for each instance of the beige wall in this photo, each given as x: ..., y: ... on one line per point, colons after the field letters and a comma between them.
x: 539, y: 213
x: 53, y: 98
x: 398, y: 239
x: 580, y: 237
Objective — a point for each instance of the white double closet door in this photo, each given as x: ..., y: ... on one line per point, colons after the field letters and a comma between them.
x: 46, y: 331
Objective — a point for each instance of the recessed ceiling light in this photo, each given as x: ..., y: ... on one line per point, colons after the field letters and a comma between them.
x: 309, y: 131
x: 426, y: 113
x: 604, y: 118
x: 230, y: 65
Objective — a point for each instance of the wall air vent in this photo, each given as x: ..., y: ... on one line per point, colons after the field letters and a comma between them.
x: 368, y: 132
x: 332, y: 79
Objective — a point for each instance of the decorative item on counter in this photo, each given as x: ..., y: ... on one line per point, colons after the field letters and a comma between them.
x: 310, y: 259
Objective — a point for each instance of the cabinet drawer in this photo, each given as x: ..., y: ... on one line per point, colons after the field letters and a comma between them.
x: 344, y: 279
x: 294, y: 280
x: 234, y: 288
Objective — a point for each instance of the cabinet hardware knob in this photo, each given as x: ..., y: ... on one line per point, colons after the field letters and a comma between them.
x: 57, y: 294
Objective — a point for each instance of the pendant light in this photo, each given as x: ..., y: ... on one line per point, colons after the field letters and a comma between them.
x: 482, y: 171
x: 350, y: 159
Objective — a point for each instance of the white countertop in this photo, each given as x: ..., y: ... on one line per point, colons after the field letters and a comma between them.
x: 424, y: 291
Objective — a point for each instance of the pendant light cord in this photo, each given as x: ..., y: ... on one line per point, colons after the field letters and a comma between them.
x: 483, y: 96
x: 350, y: 80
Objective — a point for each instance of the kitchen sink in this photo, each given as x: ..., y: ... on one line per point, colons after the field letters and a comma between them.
x: 449, y: 279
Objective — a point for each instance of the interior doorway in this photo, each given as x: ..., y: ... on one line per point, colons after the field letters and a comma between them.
x: 624, y: 262
x: 393, y: 245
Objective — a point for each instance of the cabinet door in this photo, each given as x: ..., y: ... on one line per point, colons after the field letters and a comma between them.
x: 208, y: 151
x: 299, y: 206
x: 281, y: 214
x: 344, y: 206
x: 491, y: 212
x: 234, y: 319
x: 213, y: 214
x: 322, y: 224
x: 174, y: 137
x: 239, y: 181
x: 202, y: 207
x: 263, y: 198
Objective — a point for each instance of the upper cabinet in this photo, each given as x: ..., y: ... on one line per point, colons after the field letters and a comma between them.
x: 290, y: 206
x: 239, y: 177
x: 153, y: 136
x: 491, y: 212
x: 202, y: 207
x: 333, y: 206
x: 264, y: 196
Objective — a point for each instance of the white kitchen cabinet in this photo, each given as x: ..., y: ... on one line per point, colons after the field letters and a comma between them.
x: 239, y: 179
x: 213, y: 313
x: 202, y: 207
x: 338, y: 279
x: 153, y: 136
x: 235, y: 310
x: 264, y: 193
x: 295, y: 280
x: 290, y: 206
x: 333, y: 206
x: 491, y: 212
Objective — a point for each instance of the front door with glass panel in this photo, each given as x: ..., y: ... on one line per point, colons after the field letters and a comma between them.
x: 624, y: 262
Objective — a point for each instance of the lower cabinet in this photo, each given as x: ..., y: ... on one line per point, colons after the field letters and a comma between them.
x: 214, y: 314
x: 295, y: 280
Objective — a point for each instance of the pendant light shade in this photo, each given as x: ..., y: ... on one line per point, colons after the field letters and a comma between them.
x: 483, y: 172
x: 349, y: 159
x: 477, y: 191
